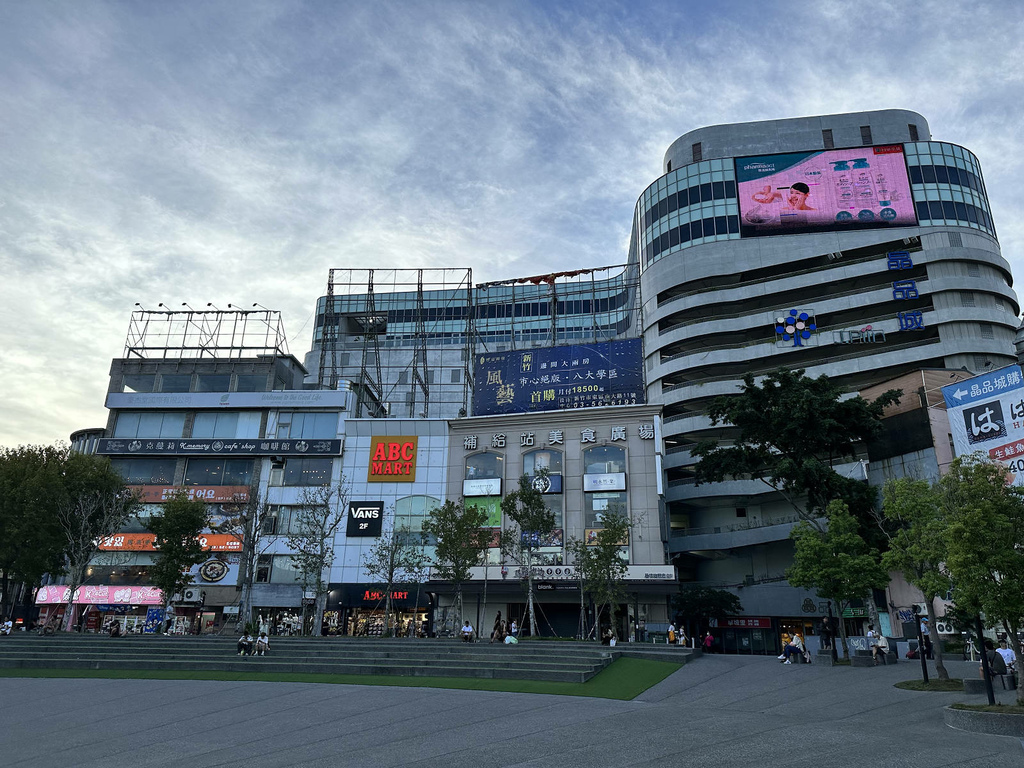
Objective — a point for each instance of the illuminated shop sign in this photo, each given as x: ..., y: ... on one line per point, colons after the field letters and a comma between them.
x: 835, y: 189
x: 146, y: 542
x: 609, y: 481
x: 486, y: 486
x: 392, y: 459
x: 212, y: 494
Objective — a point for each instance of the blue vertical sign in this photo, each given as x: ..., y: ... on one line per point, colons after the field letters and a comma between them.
x: 557, y: 378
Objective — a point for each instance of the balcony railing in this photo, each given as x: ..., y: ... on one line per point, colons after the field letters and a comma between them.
x: 748, y: 525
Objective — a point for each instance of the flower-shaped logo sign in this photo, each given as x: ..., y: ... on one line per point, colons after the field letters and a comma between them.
x: 796, y: 326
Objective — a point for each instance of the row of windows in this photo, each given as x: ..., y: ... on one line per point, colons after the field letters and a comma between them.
x: 700, y: 193
x: 684, y: 233
x: 945, y: 174
x: 293, y: 471
x: 600, y: 459
x: 200, y: 382
x: 225, y: 425
x: 937, y: 210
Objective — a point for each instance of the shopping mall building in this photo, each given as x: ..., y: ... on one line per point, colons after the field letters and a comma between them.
x: 851, y: 245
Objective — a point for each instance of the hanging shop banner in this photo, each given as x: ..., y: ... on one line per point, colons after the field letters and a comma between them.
x: 246, y: 447
x: 146, y: 542
x: 212, y: 494
x: 392, y: 459
x: 555, y: 378
x: 365, y: 518
x: 986, y: 414
x: 100, y: 594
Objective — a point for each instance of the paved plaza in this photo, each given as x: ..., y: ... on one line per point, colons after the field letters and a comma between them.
x: 717, y: 711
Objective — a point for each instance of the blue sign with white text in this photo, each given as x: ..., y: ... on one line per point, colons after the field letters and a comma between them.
x: 556, y: 378
x: 983, y: 387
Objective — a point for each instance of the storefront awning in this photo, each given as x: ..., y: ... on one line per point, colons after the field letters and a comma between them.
x: 100, y: 594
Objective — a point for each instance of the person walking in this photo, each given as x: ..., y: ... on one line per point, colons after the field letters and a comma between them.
x: 709, y: 642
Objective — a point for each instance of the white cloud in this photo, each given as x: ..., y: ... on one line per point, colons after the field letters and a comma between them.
x: 195, y: 152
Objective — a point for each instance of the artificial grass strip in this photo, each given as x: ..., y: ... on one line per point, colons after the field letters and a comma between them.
x: 624, y: 679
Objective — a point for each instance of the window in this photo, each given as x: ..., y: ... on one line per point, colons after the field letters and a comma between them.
x: 604, y: 459
x: 913, y: 132
x: 826, y: 138
x: 264, y: 568
x: 215, y: 424
x: 456, y: 376
x: 309, y: 426
x: 176, y: 382
x: 597, y: 505
x: 213, y: 382
x: 986, y: 331
x: 698, y: 152
x: 973, y: 270
x: 220, y: 471
x: 411, y: 511
x: 138, y: 382
x: 306, y: 471
x: 283, y: 571
x: 145, y: 471
x: 865, y: 135
x: 967, y: 298
x: 281, y: 519
x: 403, y: 377
x: 534, y: 461
x: 741, y: 511
x: 251, y: 382
x: 553, y: 501
x: 485, y: 465
x: 149, y: 424
x: 669, y: 168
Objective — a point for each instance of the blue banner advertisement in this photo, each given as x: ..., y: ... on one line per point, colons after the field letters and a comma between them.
x: 558, y: 378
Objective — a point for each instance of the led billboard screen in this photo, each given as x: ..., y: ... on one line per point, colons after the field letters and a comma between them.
x: 834, y: 189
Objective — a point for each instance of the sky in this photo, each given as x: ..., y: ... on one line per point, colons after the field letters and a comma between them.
x: 233, y: 152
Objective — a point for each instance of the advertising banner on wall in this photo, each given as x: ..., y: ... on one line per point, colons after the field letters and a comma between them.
x: 834, y: 189
x: 101, y: 594
x: 221, y: 568
x: 146, y: 542
x: 986, y: 414
x: 392, y: 459
x: 556, y: 378
x: 490, y: 505
x: 212, y: 494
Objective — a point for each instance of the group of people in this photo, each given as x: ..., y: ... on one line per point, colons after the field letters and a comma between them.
x: 677, y: 637
x: 504, y: 632
x: 791, y: 645
x: 249, y: 647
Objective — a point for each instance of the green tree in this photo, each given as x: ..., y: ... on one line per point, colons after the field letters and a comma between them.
x: 700, y: 604
x: 528, y: 522
x: 983, y: 538
x: 461, y: 541
x: 177, y: 530
x: 915, y: 524
x: 790, y: 431
x: 314, y: 524
x: 396, y: 557
x: 31, y: 544
x: 836, y: 562
x: 602, y: 564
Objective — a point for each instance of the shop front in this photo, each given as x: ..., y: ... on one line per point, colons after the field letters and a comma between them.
x: 97, y: 607
x: 357, y: 610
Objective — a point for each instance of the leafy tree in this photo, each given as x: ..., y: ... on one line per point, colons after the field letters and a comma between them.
x: 700, y: 604
x: 396, y: 557
x: 248, y: 526
x: 836, y: 562
x: 529, y: 522
x: 791, y: 431
x: 314, y: 525
x: 31, y: 543
x: 177, y: 530
x: 917, y: 545
x: 601, y: 565
x: 461, y: 540
x: 985, y: 529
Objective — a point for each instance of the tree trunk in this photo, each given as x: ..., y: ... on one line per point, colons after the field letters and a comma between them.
x: 458, y: 605
x: 529, y: 593
x: 483, y: 622
x: 387, y: 612
x: 940, y: 668
x: 318, y: 614
x: 416, y: 616
x: 1011, y: 642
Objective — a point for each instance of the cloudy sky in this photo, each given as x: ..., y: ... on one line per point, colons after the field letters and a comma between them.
x: 231, y: 152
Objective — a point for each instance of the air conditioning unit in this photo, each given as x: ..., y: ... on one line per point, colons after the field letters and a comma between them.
x: 191, y: 595
x: 945, y: 628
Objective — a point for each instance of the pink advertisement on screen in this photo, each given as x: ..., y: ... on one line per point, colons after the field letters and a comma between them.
x: 859, y: 188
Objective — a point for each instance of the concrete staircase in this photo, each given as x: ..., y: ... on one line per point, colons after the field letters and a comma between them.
x: 536, y: 660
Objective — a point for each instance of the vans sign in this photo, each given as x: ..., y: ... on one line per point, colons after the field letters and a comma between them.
x: 365, y: 518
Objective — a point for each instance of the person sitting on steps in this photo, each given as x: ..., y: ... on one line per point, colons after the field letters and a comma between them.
x: 880, y: 648
x: 262, y: 645
x: 795, y: 645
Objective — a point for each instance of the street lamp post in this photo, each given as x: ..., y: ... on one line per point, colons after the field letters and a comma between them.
x: 920, y: 646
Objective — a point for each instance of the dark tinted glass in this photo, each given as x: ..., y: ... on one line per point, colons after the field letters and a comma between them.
x: 694, y: 194
x: 718, y: 190
x: 673, y: 203
x: 705, y: 192
x: 721, y: 227
x: 915, y: 175
x: 961, y: 211
x: 730, y: 189
x: 935, y: 209
x: 948, y: 209
x: 941, y: 175
x: 954, y: 175
x: 928, y: 172
x: 922, y: 210
x: 696, y: 230
x: 175, y: 382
